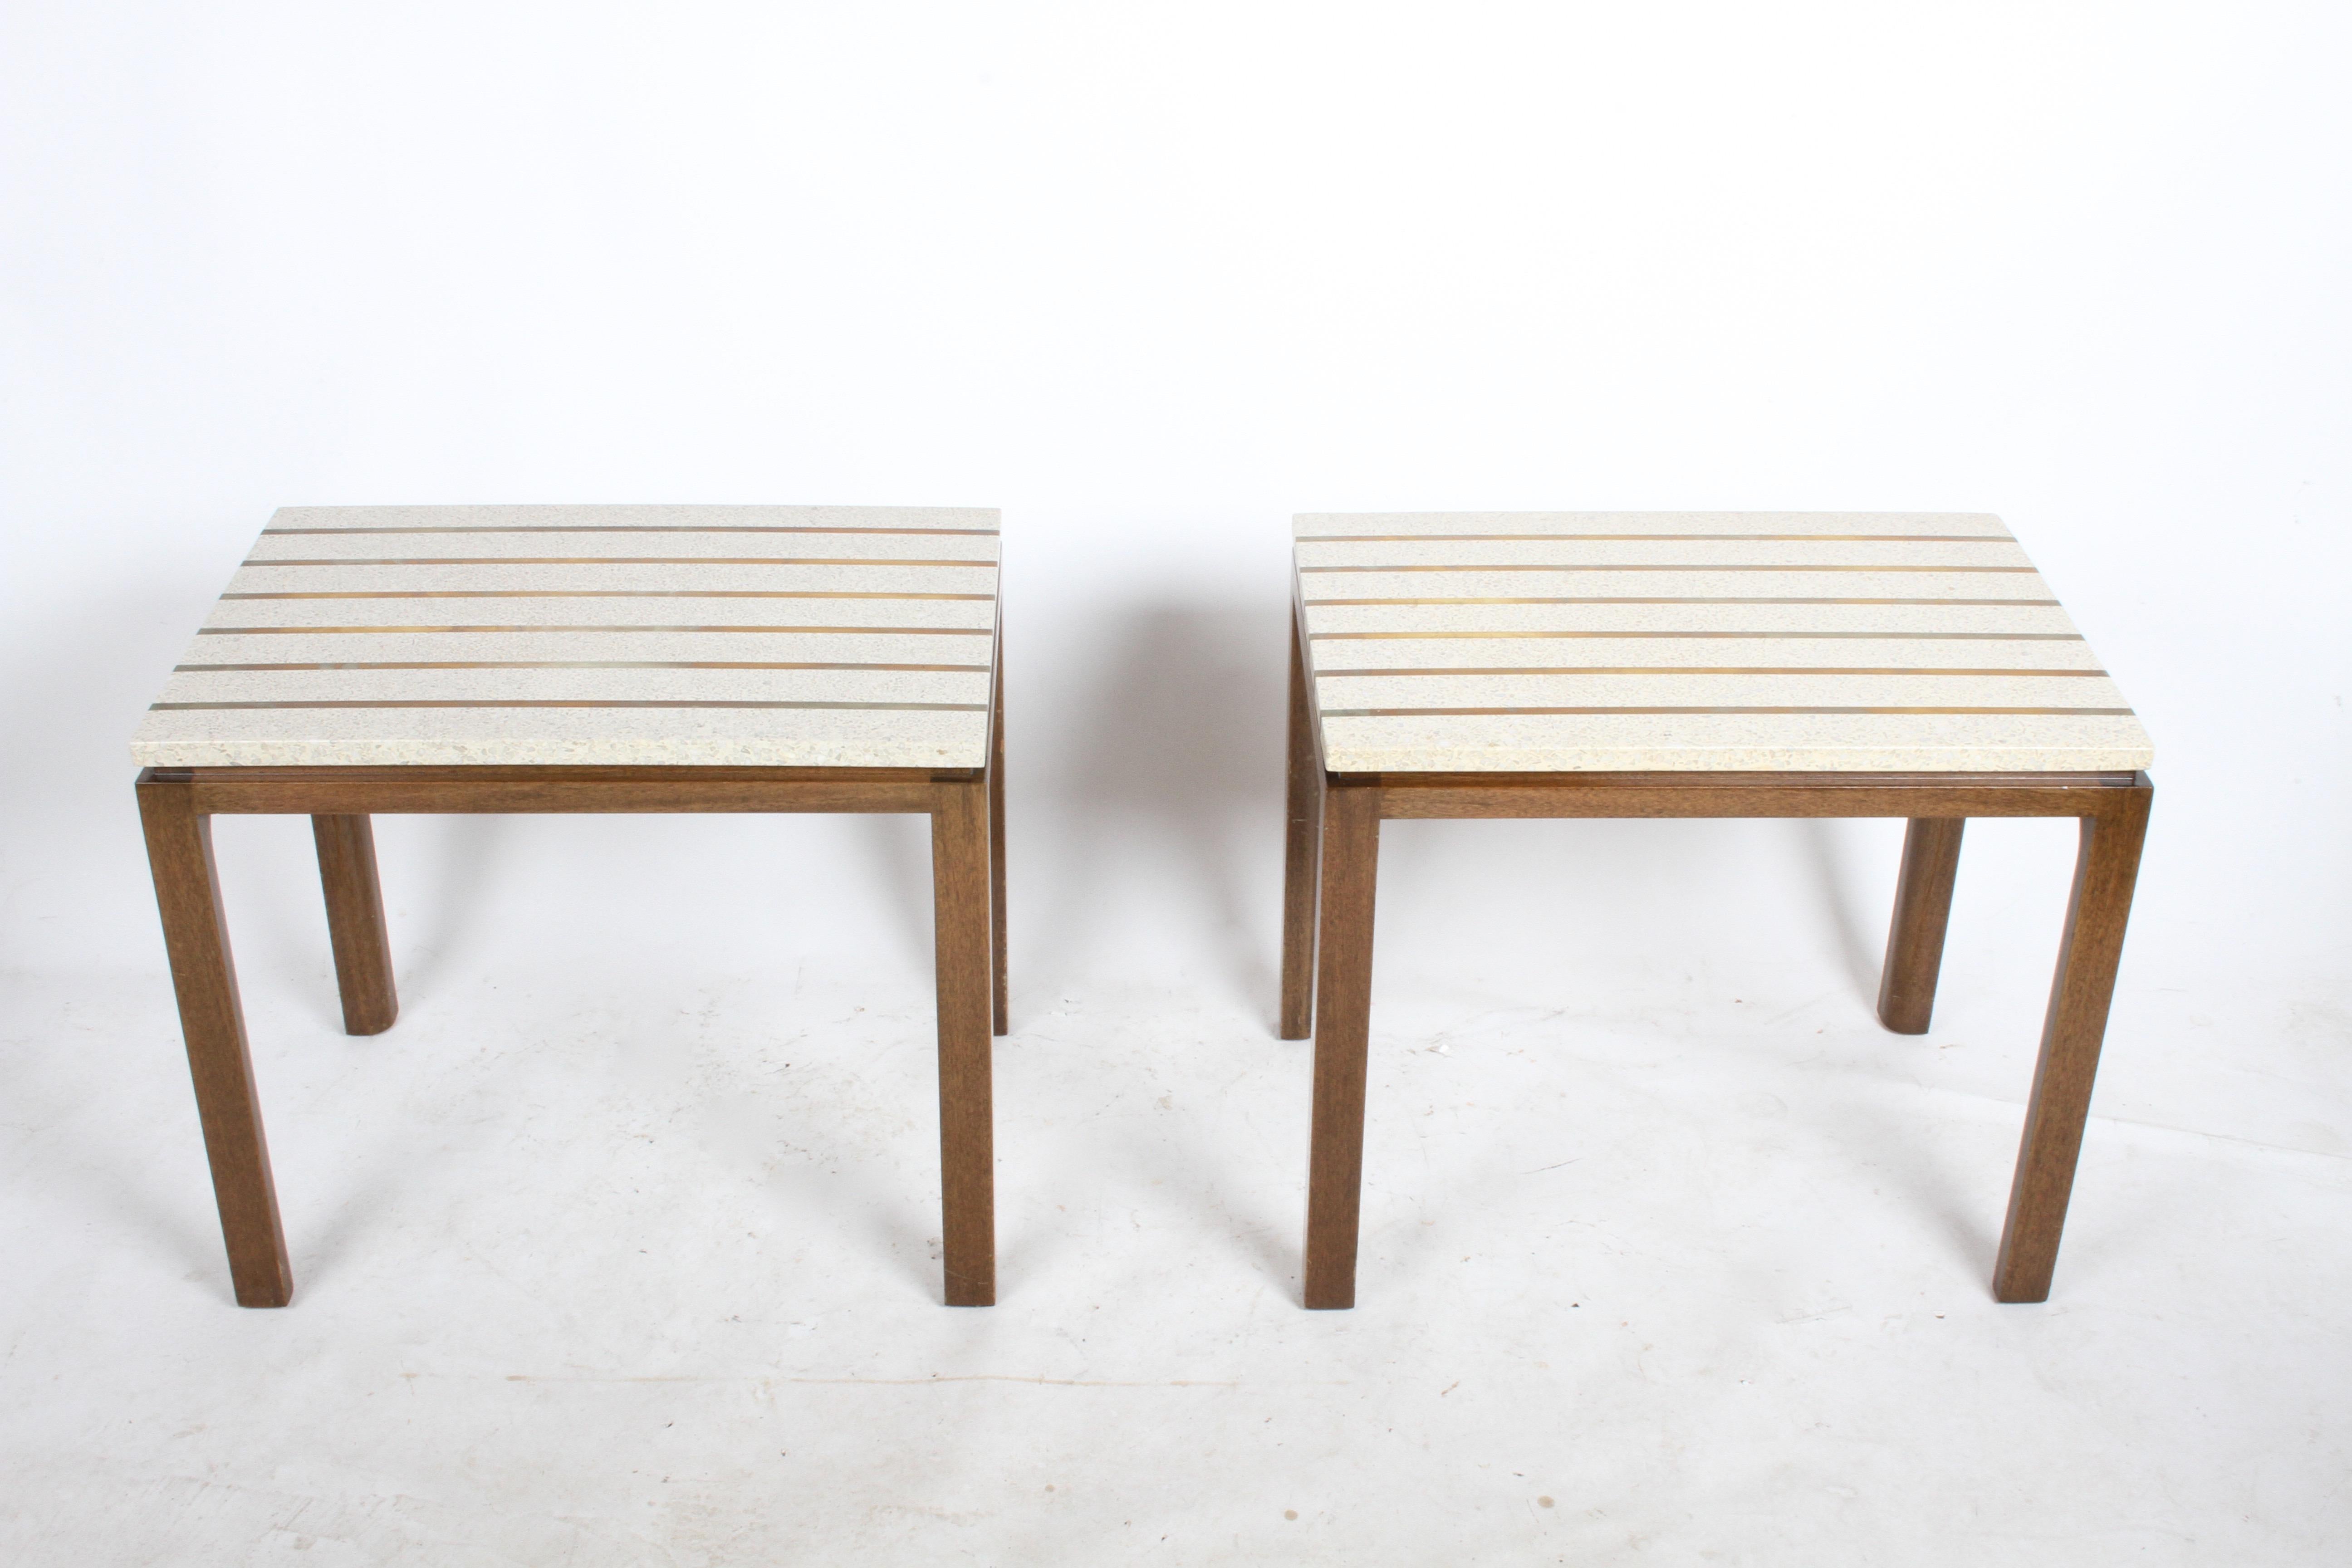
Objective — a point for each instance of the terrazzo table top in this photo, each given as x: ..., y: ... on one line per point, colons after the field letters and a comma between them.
x: 1563, y: 642
x: 704, y: 636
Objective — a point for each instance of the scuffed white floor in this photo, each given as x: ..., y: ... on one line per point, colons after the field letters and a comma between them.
x: 620, y: 1247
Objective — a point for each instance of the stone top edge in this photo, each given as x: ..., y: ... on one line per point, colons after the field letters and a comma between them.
x: 544, y: 514
x: 1316, y: 524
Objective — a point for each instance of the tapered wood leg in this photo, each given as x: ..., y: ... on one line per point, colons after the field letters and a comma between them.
x: 355, y: 924
x: 1343, y: 991
x: 1000, y: 988
x: 2105, y: 871
x: 1922, y: 908
x: 187, y: 894
x: 960, y: 882
x: 1306, y: 798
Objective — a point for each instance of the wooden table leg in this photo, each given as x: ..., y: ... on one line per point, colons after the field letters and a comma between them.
x: 1299, y: 858
x: 187, y: 894
x: 1922, y: 908
x: 960, y: 880
x: 2105, y: 871
x: 1343, y: 988
x: 355, y: 924
x: 1001, y: 989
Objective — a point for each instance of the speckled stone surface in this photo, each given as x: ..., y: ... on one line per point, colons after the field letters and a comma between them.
x: 1567, y: 642
x: 739, y: 636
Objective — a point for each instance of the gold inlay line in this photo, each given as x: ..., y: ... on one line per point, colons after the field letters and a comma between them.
x: 639, y: 528
x: 1448, y: 712
x: 976, y: 565
x: 1660, y: 669
x: 1612, y: 599
x: 552, y: 702
x: 1694, y: 567
x: 611, y: 593
x: 793, y: 631
x: 1776, y: 636
x: 585, y: 664
x: 1655, y: 537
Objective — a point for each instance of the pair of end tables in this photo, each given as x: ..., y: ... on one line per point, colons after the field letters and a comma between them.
x: 372, y: 659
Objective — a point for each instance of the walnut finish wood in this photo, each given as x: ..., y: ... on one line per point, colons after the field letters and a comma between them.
x: 1351, y: 850
x: 1298, y: 865
x: 960, y: 879
x: 1923, y: 909
x: 2112, y: 809
x: 175, y: 805
x: 2106, y: 870
x: 384, y: 791
x: 355, y: 924
x: 1427, y: 795
x: 196, y: 936
x: 1002, y: 990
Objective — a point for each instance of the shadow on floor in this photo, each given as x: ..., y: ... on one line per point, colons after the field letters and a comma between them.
x: 1173, y: 766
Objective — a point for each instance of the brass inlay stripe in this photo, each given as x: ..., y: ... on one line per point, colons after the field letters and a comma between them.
x: 1865, y: 636
x: 616, y: 594
x: 977, y: 564
x: 1655, y: 537
x: 1445, y: 712
x: 585, y: 664
x: 1646, y: 669
x: 796, y: 631
x: 639, y: 528
x: 551, y: 702
x: 1736, y: 599
x: 1696, y: 566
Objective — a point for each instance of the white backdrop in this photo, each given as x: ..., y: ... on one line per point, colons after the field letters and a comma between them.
x: 1151, y: 279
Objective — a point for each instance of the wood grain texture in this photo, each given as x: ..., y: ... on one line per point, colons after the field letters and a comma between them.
x: 2106, y: 870
x: 339, y: 791
x: 1000, y: 980
x: 1298, y: 865
x: 1428, y: 795
x: 1352, y: 846
x: 2112, y: 808
x: 960, y: 879
x: 174, y: 804
x: 1923, y: 909
x: 355, y: 924
x: 187, y: 895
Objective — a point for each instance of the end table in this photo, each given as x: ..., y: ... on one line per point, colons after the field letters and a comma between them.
x: 1717, y: 664
x: 583, y: 658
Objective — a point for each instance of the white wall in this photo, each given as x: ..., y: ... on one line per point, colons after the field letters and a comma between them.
x: 1151, y: 279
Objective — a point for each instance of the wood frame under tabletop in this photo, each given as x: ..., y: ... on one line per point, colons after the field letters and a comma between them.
x: 1333, y: 858
x: 966, y: 808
